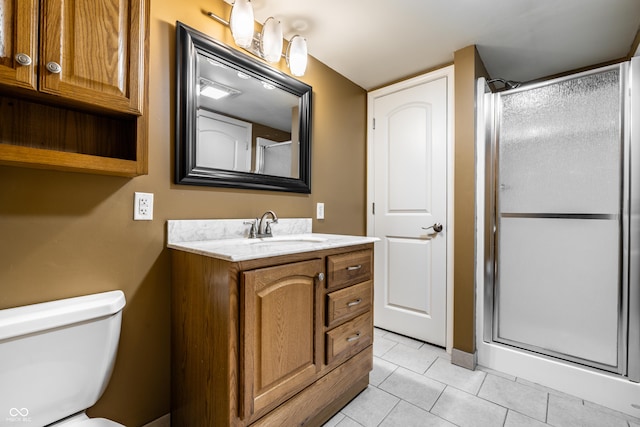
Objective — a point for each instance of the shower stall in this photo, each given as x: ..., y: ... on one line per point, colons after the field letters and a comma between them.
x: 562, y: 221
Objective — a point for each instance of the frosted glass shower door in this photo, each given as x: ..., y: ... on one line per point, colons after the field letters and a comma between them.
x: 558, y: 205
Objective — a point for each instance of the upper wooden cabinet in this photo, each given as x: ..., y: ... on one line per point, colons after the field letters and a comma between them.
x: 73, y: 85
x: 98, y: 47
x: 90, y: 53
x: 19, y: 42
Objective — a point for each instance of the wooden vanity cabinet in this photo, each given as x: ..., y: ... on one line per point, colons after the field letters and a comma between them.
x: 280, y: 355
x: 268, y: 341
x: 73, y: 78
x: 349, y: 304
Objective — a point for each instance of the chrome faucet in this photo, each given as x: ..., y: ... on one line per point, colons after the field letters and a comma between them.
x: 265, y: 231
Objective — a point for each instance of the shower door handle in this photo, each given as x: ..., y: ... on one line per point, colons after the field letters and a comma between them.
x: 437, y: 227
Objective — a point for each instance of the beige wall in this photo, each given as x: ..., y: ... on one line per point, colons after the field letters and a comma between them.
x: 468, y: 67
x: 68, y: 234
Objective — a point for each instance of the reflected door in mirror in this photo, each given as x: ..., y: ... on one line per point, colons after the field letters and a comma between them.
x: 223, y: 142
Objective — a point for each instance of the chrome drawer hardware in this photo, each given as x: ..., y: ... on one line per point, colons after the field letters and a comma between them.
x: 354, y: 302
x: 354, y: 267
x: 354, y: 337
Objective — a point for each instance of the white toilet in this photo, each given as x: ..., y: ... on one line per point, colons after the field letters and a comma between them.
x: 56, y: 359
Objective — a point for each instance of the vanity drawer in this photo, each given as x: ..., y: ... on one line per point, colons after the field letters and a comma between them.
x: 348, y: 302
x: 349, y: 269
x: 350, y: 338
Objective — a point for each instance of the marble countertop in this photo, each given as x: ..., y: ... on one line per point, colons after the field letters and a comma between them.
x: 228, y: 239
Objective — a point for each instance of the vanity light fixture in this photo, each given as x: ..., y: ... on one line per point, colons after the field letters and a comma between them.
x: 271, y: 40
x: 297, y: 55
x: 241, y: 23
x: 266, y: 44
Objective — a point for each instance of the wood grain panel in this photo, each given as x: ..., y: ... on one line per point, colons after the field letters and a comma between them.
x: 347, y: 303
x: 319, y: 402
x: 349, y: 338
x: 29, y: 124
x: 278, y: 329
x: 248, y: 342
x: 99, y: 46
x: 204, y: 347
x: 349, y: 269
x: 18, y: 34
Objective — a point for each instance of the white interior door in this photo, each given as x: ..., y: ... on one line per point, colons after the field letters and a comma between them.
x: 408, y: 160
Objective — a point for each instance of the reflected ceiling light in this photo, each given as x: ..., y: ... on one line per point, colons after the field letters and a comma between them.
x: 268, y: 43
x: 216, y: 90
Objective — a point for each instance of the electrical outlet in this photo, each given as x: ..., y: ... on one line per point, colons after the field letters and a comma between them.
x: 143, y: 206
x: 320, y: 211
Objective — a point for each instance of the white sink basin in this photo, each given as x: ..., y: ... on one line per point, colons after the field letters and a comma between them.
x: 286, y: 240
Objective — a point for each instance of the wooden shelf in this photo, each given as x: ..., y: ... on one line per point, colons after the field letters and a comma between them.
x: 91, y: 114
x: 55, y: 137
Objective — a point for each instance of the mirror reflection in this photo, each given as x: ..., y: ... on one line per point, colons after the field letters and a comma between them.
x: 245, y: 124
x: 239, y: 122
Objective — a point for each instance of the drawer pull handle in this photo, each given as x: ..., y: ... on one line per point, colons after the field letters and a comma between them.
x: 354, y: 337
x: 354, y: 302
x: 354, y: 267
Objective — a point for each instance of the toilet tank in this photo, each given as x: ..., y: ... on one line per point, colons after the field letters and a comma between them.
x: 56, y: 357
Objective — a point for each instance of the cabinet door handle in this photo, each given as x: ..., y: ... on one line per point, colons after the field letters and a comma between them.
x: 23, y: 59
x: 354, y: 337
x: 354, y: 267
x: 354, y: 302
x: 320, y: 277
x: 54, y: 67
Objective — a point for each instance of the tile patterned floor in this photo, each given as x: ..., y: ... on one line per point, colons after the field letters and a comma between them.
x: 415, y: 384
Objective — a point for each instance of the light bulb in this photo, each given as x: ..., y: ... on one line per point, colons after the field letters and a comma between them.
x: 297, y: 55
x: 241, y: 23
x: 272, y: 40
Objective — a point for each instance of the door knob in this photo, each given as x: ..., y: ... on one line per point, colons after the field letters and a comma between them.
x: 437, y: 227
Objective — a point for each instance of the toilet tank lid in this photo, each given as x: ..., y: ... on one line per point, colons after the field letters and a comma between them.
x: 32, y: 318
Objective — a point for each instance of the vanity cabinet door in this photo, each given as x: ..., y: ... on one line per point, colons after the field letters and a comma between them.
x: 18, y: 43
x: 93, y: 52
x: 280, y: 329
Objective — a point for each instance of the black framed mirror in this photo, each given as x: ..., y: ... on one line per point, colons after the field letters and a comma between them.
x: 239, y: 122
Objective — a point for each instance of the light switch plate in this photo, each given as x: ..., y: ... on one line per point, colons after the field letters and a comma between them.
x: 320, y: 211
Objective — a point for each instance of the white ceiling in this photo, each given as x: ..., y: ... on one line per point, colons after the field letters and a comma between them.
x: 374, y: 42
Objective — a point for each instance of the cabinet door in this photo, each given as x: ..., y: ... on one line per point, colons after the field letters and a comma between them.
x: 18, y: 36
x: 98, y: 49
x: 280, y: 351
